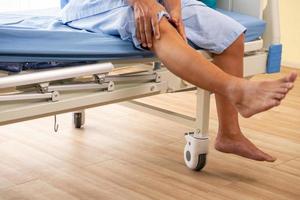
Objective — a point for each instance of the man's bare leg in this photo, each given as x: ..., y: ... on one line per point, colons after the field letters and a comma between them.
x: 230, y: 138
x: 248, y: 97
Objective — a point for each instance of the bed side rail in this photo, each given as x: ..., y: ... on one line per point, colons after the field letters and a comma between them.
x: 250, y: 7
x: 271, y: 36
x: 271, y: 16
x: 54, y: 75
x: 268, y: 10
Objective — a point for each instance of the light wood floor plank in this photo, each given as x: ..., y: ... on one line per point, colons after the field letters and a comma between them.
x: 35, y: 190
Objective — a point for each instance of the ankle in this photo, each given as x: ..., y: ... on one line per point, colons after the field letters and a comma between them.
x: 235, y: 90
x: 229, y: 134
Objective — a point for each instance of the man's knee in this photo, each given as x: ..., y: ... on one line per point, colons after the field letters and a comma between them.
x: 237, y: 47
x: 239, y: 43
x: 241, y: 40
x: 166, y: 28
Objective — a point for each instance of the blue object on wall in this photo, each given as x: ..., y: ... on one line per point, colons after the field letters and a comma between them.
x: 274, y: 58
x: 210, y: 3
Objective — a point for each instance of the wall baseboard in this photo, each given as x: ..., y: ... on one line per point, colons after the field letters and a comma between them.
x: 292, y: 64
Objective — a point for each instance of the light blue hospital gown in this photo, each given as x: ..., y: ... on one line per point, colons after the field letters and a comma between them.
x: 205, y: 27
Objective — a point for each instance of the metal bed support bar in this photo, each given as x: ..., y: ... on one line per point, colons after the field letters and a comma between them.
x: 54, y: 74
x: 53, y: 96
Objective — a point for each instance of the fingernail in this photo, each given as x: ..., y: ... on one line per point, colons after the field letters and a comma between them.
x: 149, y: 45
x: 144, y: 45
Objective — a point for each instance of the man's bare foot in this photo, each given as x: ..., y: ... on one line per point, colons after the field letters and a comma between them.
x: 252, y: 97
x: 241, y: 146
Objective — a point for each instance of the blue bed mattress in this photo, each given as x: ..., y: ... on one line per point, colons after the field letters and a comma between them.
x: 35, y: 41
x: 255, y: 27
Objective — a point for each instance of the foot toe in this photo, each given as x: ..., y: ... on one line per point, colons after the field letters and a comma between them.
x: 276, y: 103
x: 292, y: 77
x: 282, y: 90
x: 288, y: 85
x: 271, y: 159
x: 271, y: 104
x: 241, y: 146
x: 268, y: 158
x: 260, y: 155
x: 278, y: 96
x: 289, y: 78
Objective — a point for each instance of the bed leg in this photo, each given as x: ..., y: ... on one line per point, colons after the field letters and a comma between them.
x: 196, y: 148
x: 79, y: 119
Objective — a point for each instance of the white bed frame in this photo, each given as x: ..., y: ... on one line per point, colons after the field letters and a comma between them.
x: 99, y: 87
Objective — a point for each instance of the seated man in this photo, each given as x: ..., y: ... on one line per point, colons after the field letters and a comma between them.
x: 164, y: 27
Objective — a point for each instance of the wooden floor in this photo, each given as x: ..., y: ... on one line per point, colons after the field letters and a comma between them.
x: 125, y: 154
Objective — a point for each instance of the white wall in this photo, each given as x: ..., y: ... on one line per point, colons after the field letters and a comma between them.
x: 14, y: 5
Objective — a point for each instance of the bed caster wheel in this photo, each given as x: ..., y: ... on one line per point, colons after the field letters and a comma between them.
x: 79, y: 119
x: 195, y: 152
x: 198, y: 163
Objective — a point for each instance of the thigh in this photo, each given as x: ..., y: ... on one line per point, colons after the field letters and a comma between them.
x: 208, y: 28
x: 117, y: 22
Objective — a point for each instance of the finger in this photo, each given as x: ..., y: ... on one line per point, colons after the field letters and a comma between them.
x: 142, y: 32
x: 137, y: 26
x: 181, y: 31
x: 155, y: 27
x: 148, y: 32
x: 173, y: 23
x: 176, y: 21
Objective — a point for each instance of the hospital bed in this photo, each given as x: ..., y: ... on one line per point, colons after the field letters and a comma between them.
x: 48, y: 69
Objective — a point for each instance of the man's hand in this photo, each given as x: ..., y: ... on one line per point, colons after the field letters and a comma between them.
x: 174, y: 9
x: 146, y: 19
